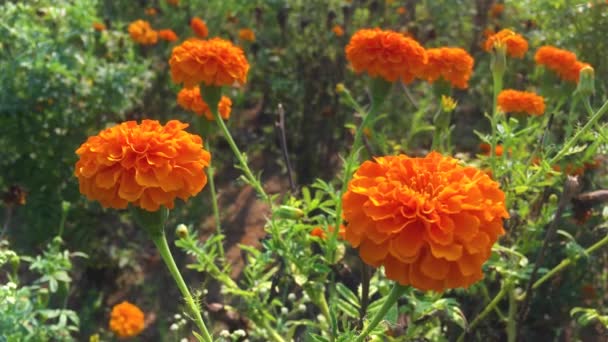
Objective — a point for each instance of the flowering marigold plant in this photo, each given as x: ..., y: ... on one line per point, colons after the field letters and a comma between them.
x: 247, y: 35
x: 429, y: 221
x: 338, y: 30
x: 168, y: 35
x: 562, y: 62
x: 126, y: 320
x: 148, y: 165
x: 386, y: 54
x: 515, y: 101
x: 455, y: 65
x: 199, y: 27
x: 190, y: 99
x: 142, y: 33
x: 516, y: 44
x: 215, y: 62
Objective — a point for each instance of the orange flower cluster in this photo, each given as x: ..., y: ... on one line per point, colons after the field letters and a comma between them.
x: 455, y: 65
x: 516, y: 45
x: 338, y: 30
x: 99, y: 26
x: 126, y: 320
x: 514, y: 101
x: 386, y: 54
x: 496, y: 10
x: 168, y: 35
x: 142, y: 33
x: 562, y: 62
x: 215, y: 62
x: 320, y: 232
x: 247, y: 35
x: 190, y: 99
x: 429, y: 221
x: 148, y: 165
x: 199, y: 27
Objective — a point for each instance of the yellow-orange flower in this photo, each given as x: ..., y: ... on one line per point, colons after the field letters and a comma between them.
x: 454, y: 65
x: 190, y: 99
x: 515, y: 101
x: 168, y: 35
x: 496, y: 10
x: 199, y: 27
x: 126, y: 320
x: 320, y: 232
x: 386, y: 54
x: 147, y: 165
x: 99, y: 26
x: 247, y: 35
x: 215, y: 62
x: 142, y: 33
x: 338, y: 30
x: 429, y: 221
x: 516, y: 44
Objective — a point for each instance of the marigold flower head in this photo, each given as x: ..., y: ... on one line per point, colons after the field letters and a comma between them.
x: 215, y: 62
x: 99, y: 26
x: 401, y: 10
x: 173, y: 2
x: 145, y: 164
x: 126, y: 320
x: 191, y: 99
x: 386, y: 54
x: 562, y: 62
x: 168, y: 35
x: 448, y: 104
x: 572, y: 72
x: 247, y: 34
x: 486, y: 149
x: 151, y: 11
x: 454, y: 65
x: 429, y: 221
x: 496, y: 10
x: 142, y: 33
x: 338, y: 30
x: 320, y: 232
x: 199, y: 27
x: 516, y: 44
x: 515, y: 101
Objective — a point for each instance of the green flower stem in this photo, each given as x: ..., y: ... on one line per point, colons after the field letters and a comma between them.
x: 566, y: 262
x: 160, y: 241
x: 216, y: 210
x: 274, y: 335
x: 497, y: 88
x: 392, y: 298
x: 572, y: 142
x: 512, y: 320
x: 485, y: 312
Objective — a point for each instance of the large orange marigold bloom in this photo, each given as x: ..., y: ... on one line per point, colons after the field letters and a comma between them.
x: 562, y: 62
x: 148, y: 165
x: 516, y: 44
x: 142, y: 33
x: 386, y: 54
x: 215, y: 62
x: 168, y: 35
x: 126, y: 320
x: 199, y: 27
x: 191, y: 99
x: 515, y: 101
x: 429, y: 221
x: 455, y: 65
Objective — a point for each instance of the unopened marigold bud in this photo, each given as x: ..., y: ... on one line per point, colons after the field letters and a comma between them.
x: 43, y: 297
x: 448, y: 104
x: 288, y: 212
x: 340, y: 88
x: 586, y: 83
x: 499, y: 59
x: 181, y: 231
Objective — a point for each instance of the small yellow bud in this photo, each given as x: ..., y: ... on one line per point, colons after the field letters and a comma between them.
x: 340, y: 88
x: 499, y: 59
x: 448, y: 104
x: 586, y: 82
x: 181, y: 231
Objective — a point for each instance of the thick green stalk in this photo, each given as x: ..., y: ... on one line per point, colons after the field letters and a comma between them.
x: 485, y: 312
x: 497, y: 88
x: 512, y: 320
x: 216, y: 210
x: 161, y: 243
x: 392, y: 298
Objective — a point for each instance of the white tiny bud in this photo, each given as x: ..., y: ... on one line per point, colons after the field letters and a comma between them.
x: 225, y: 333
x: 239, y: 333
x: 177, y: 317
x: 284, y: 311
x: 174, y: 327
x: 301, y: 307
x: 291, y: 297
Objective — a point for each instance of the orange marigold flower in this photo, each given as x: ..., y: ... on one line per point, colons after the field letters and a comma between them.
x: 320, y: 232
x: 486, y: 148
x: 142, y: 33
x: 173, y: 2
x: 168, y: 35
x: 151, y: 11
x: 215, y: 62
x: 386, y: 54
x: 190, y: 99
x: 338, y: 30
x: 562, y: 62
x: 514, y: 101
x: 199, y: 27
x: 572, y: 72
x: 516, y: 44
x: 429, y: 221
x: 99, y: 26
x: 454, y: 65
x: 247, y: 35
x: 401, y: 10
x: 496, y: 10
x: 126, y: 320
x: 148, y: 165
